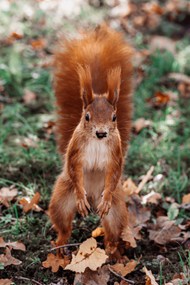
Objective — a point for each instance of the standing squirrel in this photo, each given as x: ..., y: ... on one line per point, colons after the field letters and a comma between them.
x: 93, y: 86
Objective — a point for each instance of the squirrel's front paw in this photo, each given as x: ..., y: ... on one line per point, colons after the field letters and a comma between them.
x: 104, y: 206
x: 83, y: 206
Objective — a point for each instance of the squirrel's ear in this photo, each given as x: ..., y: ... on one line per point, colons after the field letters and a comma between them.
x: 114, y: 81
x: 85, y: 80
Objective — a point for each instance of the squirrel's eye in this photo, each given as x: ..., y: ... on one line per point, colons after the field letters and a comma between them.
x: 114, y: 117
x: 87, y: 117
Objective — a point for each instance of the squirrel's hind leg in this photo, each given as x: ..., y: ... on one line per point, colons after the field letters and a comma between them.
x: 114, y: 223
x: 62, y: 209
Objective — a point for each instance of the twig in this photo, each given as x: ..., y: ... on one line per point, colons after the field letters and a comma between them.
x: 27, y: 279
x: 144, y: 180
x: 120, y: 276
x: 66, y: 245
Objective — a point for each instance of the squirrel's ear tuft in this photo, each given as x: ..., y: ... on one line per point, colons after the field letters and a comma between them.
x: 114, y: 82
x: 85, y: 80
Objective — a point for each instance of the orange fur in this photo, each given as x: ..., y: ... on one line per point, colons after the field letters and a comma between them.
x: 93, y: 87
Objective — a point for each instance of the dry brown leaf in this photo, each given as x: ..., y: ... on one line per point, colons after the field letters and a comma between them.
x: 89, y: 277
x: 7, y: 259
x: 15, y: 245
x: 186, y: 199
x: 150, y: 280
x: 159, y: 99
x: 152, y: 198
x: 164, y: 231
x: 140, y: 124
x: 162, y: 43
x: 38, y: 44
x: 129, y: 236
x: 122, y: 269
x: 88, y: 256
x: 29, y: 96
x: 98, y: 232
x: 145, y: 179
x: 27, y: 142
x: 6, y: 282
x: 153, y: 8
x: 179, y: 77
x: 55, y: 262
x: 7, y: 195
x: 31, y: 204
x: 129, y: 187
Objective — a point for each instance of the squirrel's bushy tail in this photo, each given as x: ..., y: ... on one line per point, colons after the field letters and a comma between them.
x: 101, y: 50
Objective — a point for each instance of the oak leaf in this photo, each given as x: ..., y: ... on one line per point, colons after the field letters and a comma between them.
x: 152, y: 198
x: 89, y: 277
x: 150, y: 280
x: 7, y: 195
x: 129, y: 236
x: 140, y: 124
x: 122, y: 269
x: 55, y: 262
x: 98, y: 232
x: 31, y: 204
x: 186, y: 199
x: 29, y: 96
x: 89, y: 255
x: 164, y: 231
x: 15, y: 245
x: 129, y: 187
x: 6, y: 282
x: 7, y: 259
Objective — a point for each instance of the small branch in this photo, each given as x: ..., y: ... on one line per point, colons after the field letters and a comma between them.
x: 120, y: 276
x: 27, y: 279
x: 144, y: 180
x: 66, y: 245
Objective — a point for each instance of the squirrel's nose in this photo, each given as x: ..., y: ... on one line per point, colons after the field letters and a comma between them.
x: 101, y: 135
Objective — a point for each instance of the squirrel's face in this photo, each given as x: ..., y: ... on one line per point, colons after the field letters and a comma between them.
x: 99, y: 114
x: 99, y: 118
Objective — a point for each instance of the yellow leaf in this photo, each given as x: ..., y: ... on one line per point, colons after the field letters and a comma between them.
x: 89, y: 255
x: 98, y: 232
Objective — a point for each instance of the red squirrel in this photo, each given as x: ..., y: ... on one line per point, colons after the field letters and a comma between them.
x: 93, y: 87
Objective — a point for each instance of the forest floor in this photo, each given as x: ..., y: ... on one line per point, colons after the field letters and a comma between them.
x: 29, y: 162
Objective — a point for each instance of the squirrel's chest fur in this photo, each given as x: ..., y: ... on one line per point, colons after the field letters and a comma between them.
x: 95, y: 161
x: 96, y: 155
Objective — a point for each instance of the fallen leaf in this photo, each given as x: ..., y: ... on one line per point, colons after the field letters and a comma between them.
x: 15, y: 245
x: 122, y: 269
x: 89, y: 277
x: 29, y: 96
x: 38, y: 44
x: 150, y: 280
x: 151, y: 197
x: 128, y: 236
x: 162, y: 43
x: 98, y: 232
x: 6, y: 282
x: 55, y: 262
x: 7, y: 195
x: 7, y: 259
x: 159, y: 99
x: 164, y: 231
x: 27, y: 142
x: 89, y: 255
x: 173, y: 211
x: 153, y: 7
x: 186, y: 199
x: 140, y: 124
x: 179, y: 77
x: 31, y: 204
x: 129, y: 187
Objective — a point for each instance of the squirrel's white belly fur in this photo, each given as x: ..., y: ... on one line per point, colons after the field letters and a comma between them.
x: 95, y: 161
x: 96, y: 154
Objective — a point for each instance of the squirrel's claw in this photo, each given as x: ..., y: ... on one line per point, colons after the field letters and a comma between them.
x: 103, y: 208
x: 83, y: 206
